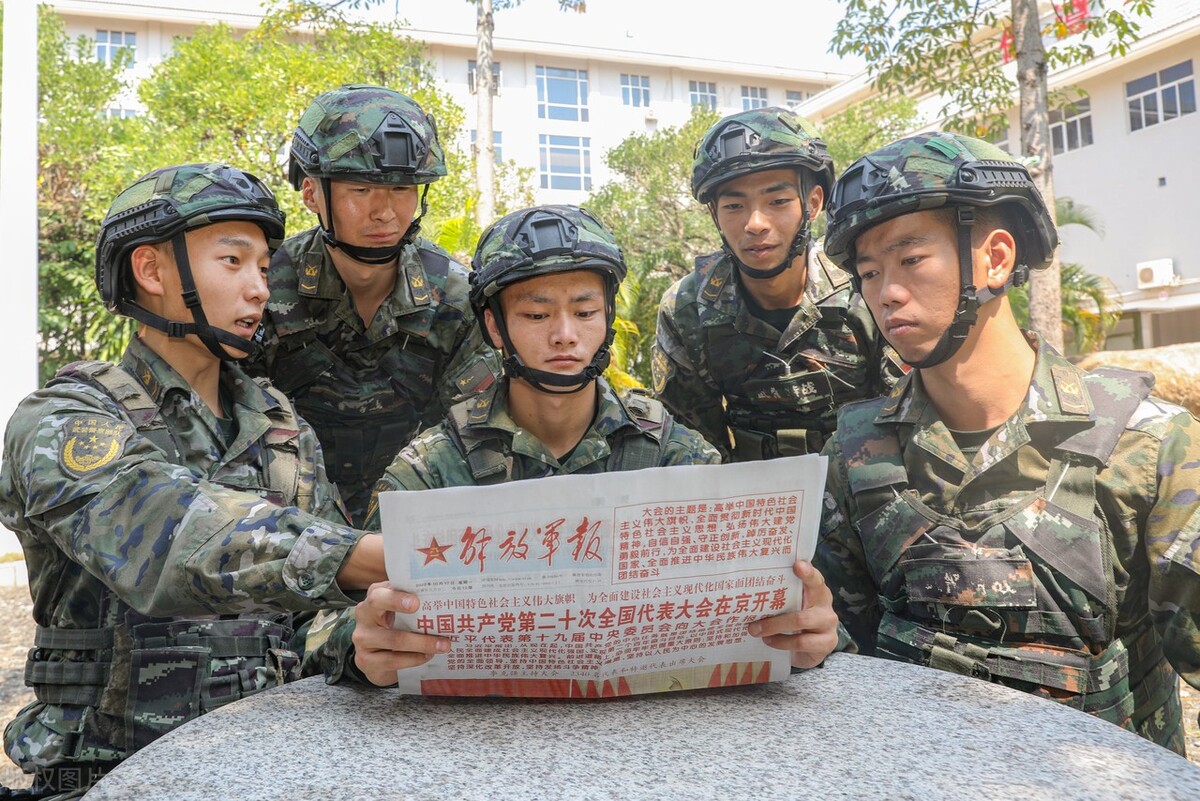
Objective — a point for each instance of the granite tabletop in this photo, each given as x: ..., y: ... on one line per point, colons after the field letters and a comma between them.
x: 859, y: 728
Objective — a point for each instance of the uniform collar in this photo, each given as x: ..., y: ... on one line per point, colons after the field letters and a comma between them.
x: 1057, y: 394
x: 319, y: 278
x: 159, y: 379
x: 489, y: 411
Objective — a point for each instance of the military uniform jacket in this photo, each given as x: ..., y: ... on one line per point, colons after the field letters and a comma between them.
x: 435, y: 459
x: 111, y: 524
x: 711, y: 352
x: 367, y: 390
x: 987, y: 554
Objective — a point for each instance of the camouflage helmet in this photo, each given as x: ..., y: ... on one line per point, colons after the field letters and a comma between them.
x: 929, y: 171
x: 369, y: 134
x: 752, y: 141
x: 168, y: 202
x: 539, y: 241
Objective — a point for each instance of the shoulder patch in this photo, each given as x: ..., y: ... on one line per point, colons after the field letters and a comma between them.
x: 662, y: 369
x: 89, y: 443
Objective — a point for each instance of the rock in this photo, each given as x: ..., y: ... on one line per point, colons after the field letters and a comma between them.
x: 1176, y: 370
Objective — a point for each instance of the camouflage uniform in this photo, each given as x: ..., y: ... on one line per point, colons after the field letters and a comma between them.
x: 367, y: 391
x: 717, y: 366
x: 121, y: 535
x: 479, y: 443
x: 367, y: 387
x: 720, y: 367
x: 1034, y: 563
x: 1061, y: 556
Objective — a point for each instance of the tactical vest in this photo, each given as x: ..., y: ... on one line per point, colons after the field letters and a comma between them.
x: 1025, y: 598
x: 491, y: 463
x: 782, y: 404
x: 359, y: 445
x: 154, y: 674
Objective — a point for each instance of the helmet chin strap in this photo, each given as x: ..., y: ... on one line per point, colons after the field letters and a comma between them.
x: 799, y: 245
x: 367, y: 255
x: 212, y: 337
x: 969, y: 298
x: 542, y: 380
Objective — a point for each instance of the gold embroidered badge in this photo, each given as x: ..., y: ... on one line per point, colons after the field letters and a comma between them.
x: 90, y: 443
x: 661, y: 369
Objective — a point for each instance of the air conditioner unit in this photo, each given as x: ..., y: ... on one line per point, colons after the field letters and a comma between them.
x: 1157, y: 273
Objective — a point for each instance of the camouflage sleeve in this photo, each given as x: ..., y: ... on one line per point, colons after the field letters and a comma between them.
x: 840, y: 558
x: 678, y: 381
x: 1172, y: 542
x: 473, y: 365
x: 329, y: 648
x: 326, y: 500
x: 685, y: 446
x: 168, y: 542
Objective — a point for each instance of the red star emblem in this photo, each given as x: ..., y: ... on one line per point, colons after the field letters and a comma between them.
x: 434, y: 551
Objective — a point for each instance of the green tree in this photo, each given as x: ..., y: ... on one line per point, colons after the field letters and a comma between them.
x: 220, y: 96
x: 650, y: 210
x: 76, y: 142
x: 948, y: 49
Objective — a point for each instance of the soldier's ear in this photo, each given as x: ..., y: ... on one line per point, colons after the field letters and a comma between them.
x: 147, y: 264
x: 999, y: 255
x: 816, y: 201
x: 310, y: 194
x: 489, y: 323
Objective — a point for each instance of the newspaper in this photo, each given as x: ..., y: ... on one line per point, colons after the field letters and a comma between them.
x: 612, y: 584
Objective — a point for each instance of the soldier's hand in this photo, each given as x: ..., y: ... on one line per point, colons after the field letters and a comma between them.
x: 810, y: 633
x: 379, y: 649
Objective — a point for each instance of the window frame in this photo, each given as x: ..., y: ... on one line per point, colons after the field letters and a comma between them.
x: 550, y: 145
x: 549, y: 109
x: 635, y: 90
x: 1146, y: 98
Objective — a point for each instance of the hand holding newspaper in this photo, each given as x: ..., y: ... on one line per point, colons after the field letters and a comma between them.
x: 607, y: 584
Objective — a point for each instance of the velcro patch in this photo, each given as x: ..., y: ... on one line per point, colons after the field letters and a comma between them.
x: 89, y: 443
x: 662, y: 370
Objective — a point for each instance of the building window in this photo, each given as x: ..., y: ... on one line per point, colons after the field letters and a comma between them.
x: 497, y: 141
x: 109, y: 43
x: 117, y: 113
x: 1161, y: 96
x: 795, y: 97
x: 471, y: 68
x: 635, y: 90
x: 703, y: 93
x: 754, y: 97
x: 562, y: 94
x: 1071, y: 126
x: 565, y: 161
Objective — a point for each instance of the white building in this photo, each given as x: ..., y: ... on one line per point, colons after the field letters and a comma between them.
x: 561, y: 104
x: 1126, y: 147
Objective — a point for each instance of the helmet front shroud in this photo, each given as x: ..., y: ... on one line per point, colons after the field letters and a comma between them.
x: 943, y: 170
x: 540, y: 241
x: 163, y: 206
x: 366, y: 134
x: 755, y: 141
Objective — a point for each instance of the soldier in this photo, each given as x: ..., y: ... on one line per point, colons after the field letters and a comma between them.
x: 171, y: 509
x: 368, y: 328
x: 765, y: 338
x: 1003, y: 514
x: 544, y: 289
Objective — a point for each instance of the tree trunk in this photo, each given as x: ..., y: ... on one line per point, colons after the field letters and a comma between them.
x: 485, y: 148
x: 1045, y: 291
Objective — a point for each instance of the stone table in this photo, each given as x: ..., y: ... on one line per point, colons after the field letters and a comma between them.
x: 860, y: 728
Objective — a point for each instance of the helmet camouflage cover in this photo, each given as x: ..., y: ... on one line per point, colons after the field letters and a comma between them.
x: 542, y: 240
x: 752, y: 141
x: 929, y: 171
x: 366, y: 133
x: 165, y: 202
